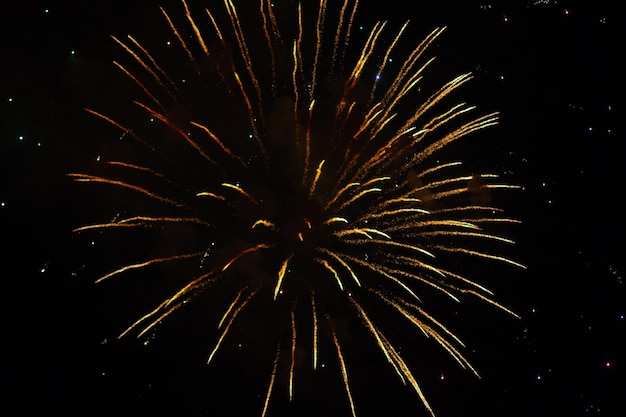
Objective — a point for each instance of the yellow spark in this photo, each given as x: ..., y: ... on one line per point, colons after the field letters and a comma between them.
x: 393, y: 357
x: 92, y: 178
x: 140, y: 84
x: 318, y: 172
x: 150, y: 262
x: 122, y: 128
x: 243, y: 252
x: 265, y: 223
x: 142, y: 221
x: 344, y: 372
x: 362, y: 231
x: 165, y: 304
x: 307, y: 144
x: 210, y: 194
x: 340, y: 192
x: 332, y: 270
x: 318, y: 44
x: 314, y: 331
x: 230, y: 322
x: 245, y: 54
x: 385, y: 59
x: 359, y: 195
x: 466, y: 234
x: 218, y: 141
x: 281, y: 275
x: 271, y: 384
x: 240, y: 191
x: 395, y: 244
x: 293, y: 353
x: 175, y: 128
x: 480, y: 254
x: 196, y: 30
x: 342, y: 262
x: 335, y: 220
x: 180, y: 39
x: 230, y: 307
x: 144, y: 65
x: 492, y: 302
x: 378, y: 269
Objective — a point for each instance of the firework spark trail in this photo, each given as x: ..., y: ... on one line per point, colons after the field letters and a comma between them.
x: 375, y: 215
x: 344, y: 371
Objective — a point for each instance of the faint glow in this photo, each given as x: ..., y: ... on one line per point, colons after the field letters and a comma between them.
x: 10, y: 99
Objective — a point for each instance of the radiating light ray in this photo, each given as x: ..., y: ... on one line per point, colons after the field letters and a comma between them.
x: 393, y: 356
x: 340, y: 193
x: 293, y: 353
x: 148, y: 263
x: 264, y: 223
x: 343, y: 263
x: 244, y: 252
x: 142, y: 221
x: 210, y: 194
x: 180, y: 39
x: 245, y: 53
x: 344, y: 372
x: 359, y: 195
x: 122, y: 128
x: 335, y: 220
x: 465, y: 234
x: 271, y: 383
x: 230, y: 322
x: 122, y: 184
x: 332, y: 270
x: 314, y: 330
x: 140, y: 84
x: 479, y: 254
x: 231, y: 306
x: 492, y: 302
x: 362, y: 231
x: 165, y: 120
x: 240, y: 191
x: 218, y: 141
x: 379, y: 270
x: 318, y: 172
x: 145, y: 66
x: 281, y: 275
x: 165, y: 305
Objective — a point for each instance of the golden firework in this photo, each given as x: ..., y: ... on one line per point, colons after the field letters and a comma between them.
x: 320, y: 151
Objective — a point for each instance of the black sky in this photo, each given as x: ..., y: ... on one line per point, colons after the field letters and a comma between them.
x: 553, y: 69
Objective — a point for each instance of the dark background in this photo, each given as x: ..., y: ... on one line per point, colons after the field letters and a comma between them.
x: 553, y: 69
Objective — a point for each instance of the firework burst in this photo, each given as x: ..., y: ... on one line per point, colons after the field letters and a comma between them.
x: 303, y: 161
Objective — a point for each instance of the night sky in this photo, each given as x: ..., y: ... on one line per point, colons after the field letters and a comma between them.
x: 553, y: 69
